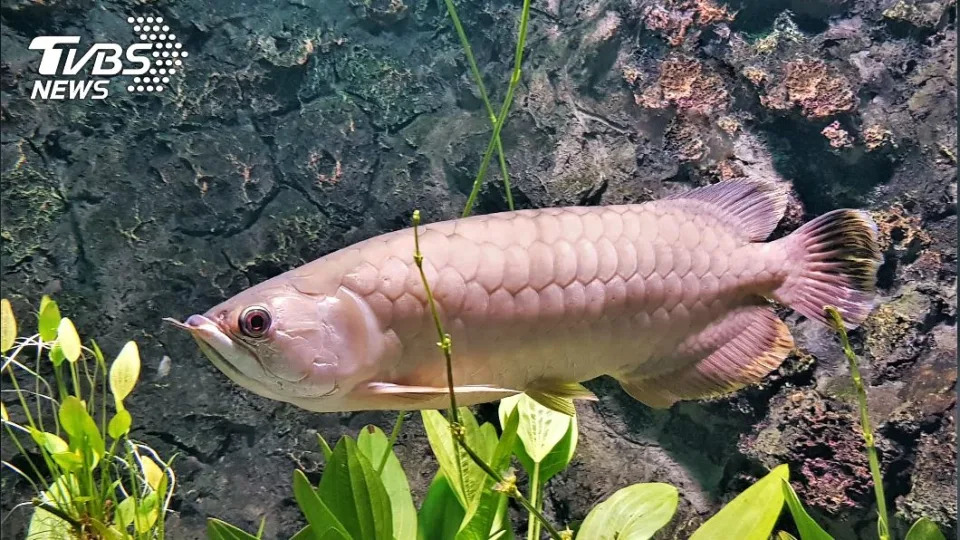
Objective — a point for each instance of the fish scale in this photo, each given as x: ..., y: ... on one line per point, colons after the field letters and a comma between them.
x: 670, y: 297
x: 557, y: 276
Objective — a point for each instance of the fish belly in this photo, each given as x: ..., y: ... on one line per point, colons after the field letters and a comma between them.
x: 563, y: 293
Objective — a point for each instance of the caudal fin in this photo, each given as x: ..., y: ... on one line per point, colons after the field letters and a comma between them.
x: 835, y: 259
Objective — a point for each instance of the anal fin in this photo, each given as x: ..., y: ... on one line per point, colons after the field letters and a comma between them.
x: 735, y: 351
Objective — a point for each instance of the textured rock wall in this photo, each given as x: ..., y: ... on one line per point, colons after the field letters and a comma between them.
x: 300, y: 127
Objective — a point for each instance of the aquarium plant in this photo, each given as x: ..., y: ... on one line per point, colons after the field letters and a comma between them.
x: 90, y: 478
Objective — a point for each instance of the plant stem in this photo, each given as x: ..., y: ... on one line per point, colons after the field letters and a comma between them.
x: 456, y: 429
x: 868, y: 439
x: 478, y: 79
x: 504, y: 108
x: 392, y: 441
x: 533, y: 529
x: 77, y: 526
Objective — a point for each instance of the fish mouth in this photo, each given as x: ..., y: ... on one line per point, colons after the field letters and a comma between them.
x: 210, y: 338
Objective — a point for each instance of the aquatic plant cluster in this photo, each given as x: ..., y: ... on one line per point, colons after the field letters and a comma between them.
x: 67, y: 408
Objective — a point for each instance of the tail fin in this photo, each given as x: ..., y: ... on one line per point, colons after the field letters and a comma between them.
x: 836, y: 257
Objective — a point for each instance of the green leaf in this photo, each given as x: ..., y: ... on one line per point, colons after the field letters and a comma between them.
x: 48, y: 319
x: 327, y: 451
x: 68, y: 339
x: 635, y: 512
x: 147, y: 512
x: 373, y: 443
x: 750, y: 515
x: 305, y: 533
x: 482, y: 514
x: 126, y: 512
x: 322, y: 522
x: 78, y: 423
x: 558, y: 458
x: 353, y: 491
x: 221, y: 530
x: 8, y: 326
x: 440, y: 514
x: 784, y: 535
x: 49, y: 442
x: 924, y: 529
x: 152, y: 472
x: 806, y: 526
x: 56, y: 355
x: 47, y: 526
x: 540, y: 429
x: 124, y: 372
x: 68, y: 461
x: 119, y: 424
x: 469, y: 485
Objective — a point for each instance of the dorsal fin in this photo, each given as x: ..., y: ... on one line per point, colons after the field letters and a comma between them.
x: 752, y: 207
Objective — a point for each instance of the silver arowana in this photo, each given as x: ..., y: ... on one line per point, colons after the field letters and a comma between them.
x: 669, y: 297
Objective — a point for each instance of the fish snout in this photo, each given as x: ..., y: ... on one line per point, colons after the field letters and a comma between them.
x: 196, y: 321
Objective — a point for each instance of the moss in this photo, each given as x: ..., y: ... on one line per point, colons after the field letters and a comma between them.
x: 31, y: 205
x: 391, y: 93
x: 894, y: 321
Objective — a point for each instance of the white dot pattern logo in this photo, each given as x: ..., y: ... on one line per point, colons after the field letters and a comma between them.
x: 151, y: 30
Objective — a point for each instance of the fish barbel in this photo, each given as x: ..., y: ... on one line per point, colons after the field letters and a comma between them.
x: 670, y: 297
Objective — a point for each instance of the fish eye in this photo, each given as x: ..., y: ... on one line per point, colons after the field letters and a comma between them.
x: 254, y: 321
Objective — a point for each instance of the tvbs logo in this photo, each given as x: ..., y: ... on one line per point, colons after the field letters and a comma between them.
x: 151, y: 62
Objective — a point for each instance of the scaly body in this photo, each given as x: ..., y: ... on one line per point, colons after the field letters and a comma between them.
x: 669, y: 297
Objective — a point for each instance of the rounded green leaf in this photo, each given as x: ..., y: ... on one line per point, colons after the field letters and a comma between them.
x: 48, y: 319
x: 635, y: 512
x: 124, y: 372
x: 78, y: 423
x: 924, y: 529
x: 540, y: 428
x: 750, y: 515
x: 68, y: 339
x: 47, y: 526
x: 152, y: 472
x: 48, y: 441
x: 56, y: 354
x: 8, y: 326
x: 68, y: 461
x: 119, y: 424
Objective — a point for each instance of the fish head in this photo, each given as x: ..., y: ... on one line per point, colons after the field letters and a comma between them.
x: 284, y: 344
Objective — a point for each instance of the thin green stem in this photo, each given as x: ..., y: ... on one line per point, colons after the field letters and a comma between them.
x: 504, y: 108
x: 392, y: 441
x: 868, y: 438
x: 478, y: 79
x: 533, y: 529
x: 456, y: 429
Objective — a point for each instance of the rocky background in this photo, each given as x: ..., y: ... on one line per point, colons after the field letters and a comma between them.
x: 300, y: 127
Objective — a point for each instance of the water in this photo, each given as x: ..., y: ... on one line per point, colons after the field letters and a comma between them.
x: 293, y: 129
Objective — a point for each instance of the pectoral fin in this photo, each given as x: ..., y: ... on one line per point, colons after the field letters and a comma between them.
x: 557, y: 395
x: 474, y: 392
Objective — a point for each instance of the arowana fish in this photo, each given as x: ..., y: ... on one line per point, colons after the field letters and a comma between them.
x: 670, y: 297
